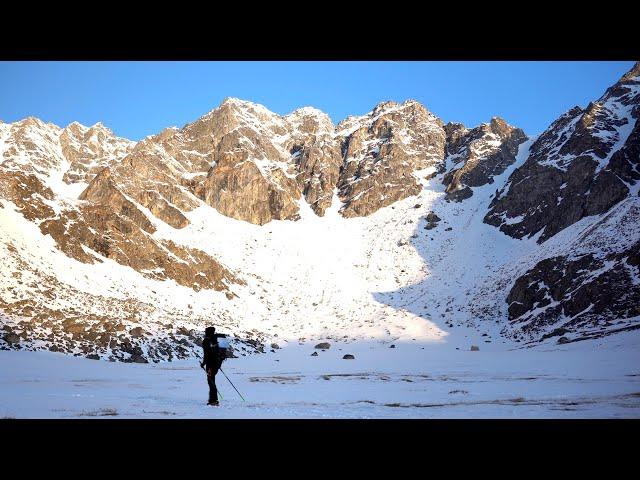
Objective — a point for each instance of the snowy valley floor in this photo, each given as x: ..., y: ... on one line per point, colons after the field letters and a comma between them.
x: 591, y: 379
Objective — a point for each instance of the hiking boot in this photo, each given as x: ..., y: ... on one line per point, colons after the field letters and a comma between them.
x: 215, y: 404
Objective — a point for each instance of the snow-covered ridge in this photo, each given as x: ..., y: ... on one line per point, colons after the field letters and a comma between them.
x: 224, y: 185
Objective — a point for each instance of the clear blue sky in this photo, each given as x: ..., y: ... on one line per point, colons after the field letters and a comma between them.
x: 136, y: 99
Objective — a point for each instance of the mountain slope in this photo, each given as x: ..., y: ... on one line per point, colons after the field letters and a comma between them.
x: 390, y: 226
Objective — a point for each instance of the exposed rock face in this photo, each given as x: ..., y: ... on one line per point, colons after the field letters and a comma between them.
x: 251, y: 178
x: 317, y: 156
x: 31, y: 146
x: 104, y: 221
x: 581, y: 294
x: 101, y: 191
x: 89, y: 150
x: 590, y: 286
x: 28, y: 194
x: 382, y: 150
x: 582, y: 165
x: 113, y: 227
x: 237, y: 188
x: 478, y: 155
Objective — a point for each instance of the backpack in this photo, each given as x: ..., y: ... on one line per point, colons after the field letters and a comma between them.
x: 221, y: 347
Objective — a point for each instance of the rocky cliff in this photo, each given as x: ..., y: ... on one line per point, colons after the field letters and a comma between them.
x: 584, y: 166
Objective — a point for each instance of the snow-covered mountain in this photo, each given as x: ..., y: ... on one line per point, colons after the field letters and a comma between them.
x: 279, y: 229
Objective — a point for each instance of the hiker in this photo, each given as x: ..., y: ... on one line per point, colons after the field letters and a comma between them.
x: 212, y: 362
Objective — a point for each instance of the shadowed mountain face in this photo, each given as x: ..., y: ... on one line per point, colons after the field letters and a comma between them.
x: 535, y: 237
x: 582, y: 165
x: 574, y: 192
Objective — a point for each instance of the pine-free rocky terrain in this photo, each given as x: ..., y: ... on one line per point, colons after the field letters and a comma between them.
x: 392, y: 236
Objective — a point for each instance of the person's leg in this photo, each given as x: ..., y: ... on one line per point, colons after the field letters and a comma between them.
x: 211, y: 383
x: 215, y: 388
x: 213, y: 391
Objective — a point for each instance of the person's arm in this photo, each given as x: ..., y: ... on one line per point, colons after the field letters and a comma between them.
x: 205, y: 354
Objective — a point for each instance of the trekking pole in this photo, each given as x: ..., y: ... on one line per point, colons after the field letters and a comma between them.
x: 219, y: 393
x: 234, y: 387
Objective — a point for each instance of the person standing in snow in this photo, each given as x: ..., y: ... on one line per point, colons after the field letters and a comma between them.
x: 211, y: 362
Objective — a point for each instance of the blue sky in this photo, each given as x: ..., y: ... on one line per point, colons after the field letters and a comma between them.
x: 136, y: 99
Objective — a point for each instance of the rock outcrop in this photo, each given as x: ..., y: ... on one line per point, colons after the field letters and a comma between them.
x: 89, y: 150
x: 587, y: 295
x: 582, y: 165
x: 478, y: 155
x: 384, y: 151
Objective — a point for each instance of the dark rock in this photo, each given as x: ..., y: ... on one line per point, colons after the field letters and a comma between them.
x: 459, y: 195
x: 93, y: 356
x: 382, y: 151
x: 392, y: 346
x: 348, y: 357
x: 563, y: 340
x: 138, y: 358
x: 432, y: 217
x: 474, y: 348
x: 323, y: 346
x: 587, y: 289
x: 314, y: 354
x: 11, y: 338
x: 562, y: 180
x: 485, y: 152
x: 136, y: 332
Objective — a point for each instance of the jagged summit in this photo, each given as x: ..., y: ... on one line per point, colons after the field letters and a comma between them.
x: 632, y: 75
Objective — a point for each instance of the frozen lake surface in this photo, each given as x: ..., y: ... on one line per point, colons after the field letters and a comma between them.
x: 593, y: 379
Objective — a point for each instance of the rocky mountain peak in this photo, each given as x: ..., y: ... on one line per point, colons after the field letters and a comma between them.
x: 583, y: 164
x: 632, y: 76
x: 310, y: 120
x: 76, y: 128
x: 500, y: 127
x: 478, y: 154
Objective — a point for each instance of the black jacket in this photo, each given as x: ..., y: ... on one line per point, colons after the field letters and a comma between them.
x: 211, y: 353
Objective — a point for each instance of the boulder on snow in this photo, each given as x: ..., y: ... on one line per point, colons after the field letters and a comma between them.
x: 348, y: 356
x: 137, y: 358
x: 474, y: 348
x: 11, y: 338
x: 432, y: 217
x: 275, y: 346
x: 93, y: 356
x: 314, y: 354
x: 323, y: 346
x: 392, y: 346
x: 136, y: 332
x: 563, y: 340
